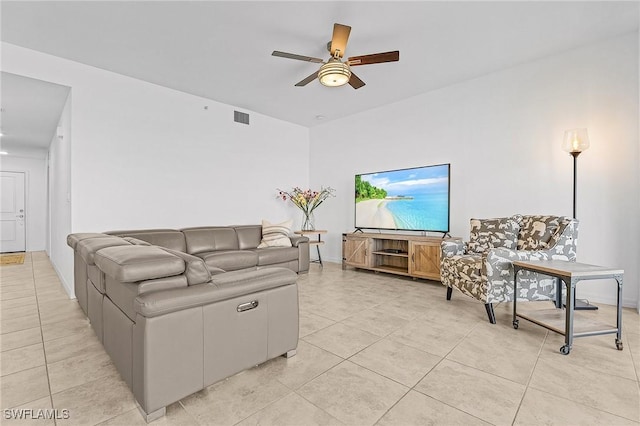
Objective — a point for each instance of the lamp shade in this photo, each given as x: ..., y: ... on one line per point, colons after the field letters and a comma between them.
x: 575, y: 140
x: 334, y: 73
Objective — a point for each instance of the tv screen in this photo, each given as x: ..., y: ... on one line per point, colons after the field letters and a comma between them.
x: 415, y: 199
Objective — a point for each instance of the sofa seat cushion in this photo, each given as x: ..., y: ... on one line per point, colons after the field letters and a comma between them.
x: 274, y: 255
x: 230, y: 260
x: 137, y: 263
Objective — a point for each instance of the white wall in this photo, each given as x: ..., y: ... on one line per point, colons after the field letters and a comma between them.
x: 34, y: 164
x: 60, y: 225
x: 502, y: 134
x: 144, y: 156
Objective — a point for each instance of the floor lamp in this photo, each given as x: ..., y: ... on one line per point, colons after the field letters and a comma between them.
x: 576, y: 141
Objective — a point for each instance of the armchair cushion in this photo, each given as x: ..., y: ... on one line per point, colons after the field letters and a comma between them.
x: 540, y: 232
x: 487, y: 234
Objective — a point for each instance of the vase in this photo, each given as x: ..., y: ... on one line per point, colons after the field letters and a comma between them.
x: 308, y: 221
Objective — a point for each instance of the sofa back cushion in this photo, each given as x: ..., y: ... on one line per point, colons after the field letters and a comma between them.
x: 492, y: 233
x: 200, y: 240
x: 169, y: 238
x: 538, y: 232
x: 248, y: 236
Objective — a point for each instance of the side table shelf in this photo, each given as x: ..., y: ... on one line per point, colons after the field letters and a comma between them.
x: 314, y: 242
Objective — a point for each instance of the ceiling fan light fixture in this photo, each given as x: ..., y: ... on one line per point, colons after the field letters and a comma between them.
x: 334, y: 73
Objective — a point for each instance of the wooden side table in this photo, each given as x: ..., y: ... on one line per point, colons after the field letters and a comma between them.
x: 570, y: 273
x: 314, y: 242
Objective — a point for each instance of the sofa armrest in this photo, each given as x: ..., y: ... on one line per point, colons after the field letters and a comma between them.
x: 132, y: 263
x: 195, y: 268
x: 222, y: 287
x: 298, y: 239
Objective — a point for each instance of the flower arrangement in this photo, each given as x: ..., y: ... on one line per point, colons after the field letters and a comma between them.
x: 307, y: 201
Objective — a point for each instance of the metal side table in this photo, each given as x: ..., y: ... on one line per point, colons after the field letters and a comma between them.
x: 570, y: 273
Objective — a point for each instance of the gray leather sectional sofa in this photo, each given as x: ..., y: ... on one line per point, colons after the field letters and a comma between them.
x: 178, y: 310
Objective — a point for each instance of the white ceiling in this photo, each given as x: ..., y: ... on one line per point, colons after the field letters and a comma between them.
x: 222, y: 50
x: 31, y: 111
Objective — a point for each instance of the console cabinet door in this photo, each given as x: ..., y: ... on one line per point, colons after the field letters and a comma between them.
x: 355, y: 251
x: 424, y: 260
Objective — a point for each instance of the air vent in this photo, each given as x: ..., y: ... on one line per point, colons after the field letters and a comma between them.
x: 240, y: 117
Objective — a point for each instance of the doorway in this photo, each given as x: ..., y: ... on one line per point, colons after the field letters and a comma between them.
x: 12, y: 212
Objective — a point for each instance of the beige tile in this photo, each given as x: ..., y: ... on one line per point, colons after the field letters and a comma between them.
x: 353, y: 394
x: 94, y: 402
x: 34, y: 413
x: 21, y: 323
x: 92, y: 364
x: 71, y: 311
x: 375, y: 322
x: 73, y: 345
x: 19, y: 311
x: 66, y: 328
x: 501, y: 350
x: 610, y: 393
x: 21, y: 359
x: 418, y: 409
x: 594, y: 352
x: 24, y: 386
x: 19, y: 339
x: 175, y: 416
x: 292, y: 410
x: 404, y: 364
x: 16, y: 294
x: 310, y: 323
x: 234, y: 399
x: 488, y: 397
x: 540, y: 408
x: 22, y: 301
x: 341, y: 340
x: 309, y: 362
x: 434, y: 338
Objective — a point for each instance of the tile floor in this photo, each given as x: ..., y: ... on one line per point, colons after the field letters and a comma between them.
x: 374, y: 349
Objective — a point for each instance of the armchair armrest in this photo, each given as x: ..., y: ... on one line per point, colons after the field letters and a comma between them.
x: 532, y: 286
x: 452, y: 248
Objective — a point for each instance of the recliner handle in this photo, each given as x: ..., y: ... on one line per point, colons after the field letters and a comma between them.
x: 247, y: 306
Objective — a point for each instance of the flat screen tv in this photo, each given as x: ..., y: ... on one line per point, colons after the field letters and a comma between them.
x: 415, y: 199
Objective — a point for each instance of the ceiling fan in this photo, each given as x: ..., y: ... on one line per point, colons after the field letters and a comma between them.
x: 335, y: 72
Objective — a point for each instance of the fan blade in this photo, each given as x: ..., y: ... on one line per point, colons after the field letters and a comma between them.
x: 298, y: 57
x: 308, y: 79
x: 339, y: 39
x: 375, y: 58
x: 355, y: 81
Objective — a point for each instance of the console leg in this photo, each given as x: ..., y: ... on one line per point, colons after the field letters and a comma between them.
x: 449, y: 291
x: 155, y: 415
x: 291, y: 353
x: 490, y: 313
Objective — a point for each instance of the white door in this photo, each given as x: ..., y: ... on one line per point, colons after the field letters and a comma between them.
x: 12, y: 214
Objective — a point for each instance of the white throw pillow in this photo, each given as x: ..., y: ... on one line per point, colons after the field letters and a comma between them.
x: 276, y: 234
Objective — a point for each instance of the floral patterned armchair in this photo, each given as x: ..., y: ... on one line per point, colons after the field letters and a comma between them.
x: 482, y: 267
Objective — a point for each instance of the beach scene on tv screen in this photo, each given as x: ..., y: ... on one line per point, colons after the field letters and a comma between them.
x: 415, y: 199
